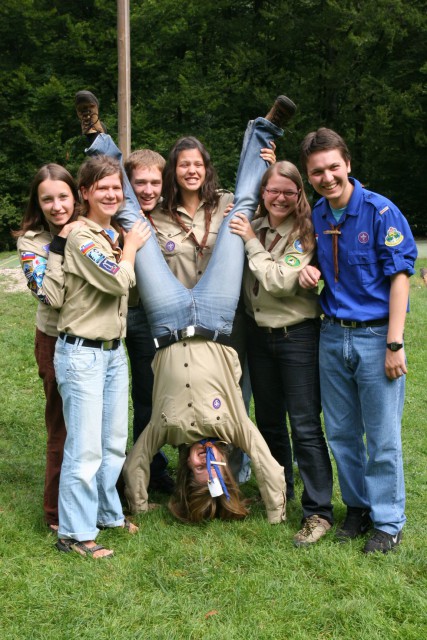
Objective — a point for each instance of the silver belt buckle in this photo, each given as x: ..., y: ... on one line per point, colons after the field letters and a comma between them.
x: 188, y: 332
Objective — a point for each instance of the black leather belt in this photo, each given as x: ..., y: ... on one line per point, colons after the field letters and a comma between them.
x: 107, y: 345
x: 356, y: 324
x: 191, y: 332
x: 292, y: 327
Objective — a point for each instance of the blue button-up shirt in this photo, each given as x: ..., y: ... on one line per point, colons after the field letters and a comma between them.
x: 375, y: 243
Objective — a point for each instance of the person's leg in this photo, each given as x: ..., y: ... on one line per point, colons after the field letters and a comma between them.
x: 140, y: 348
x: 381, y: 402
x: 269, y: 400
x: 82, y: 397
x: 301, y: 387
x: 55, y: 426
x: 217, y: 292
x: 156, y: 282
x: 114, y: 436
x: 342, y: 413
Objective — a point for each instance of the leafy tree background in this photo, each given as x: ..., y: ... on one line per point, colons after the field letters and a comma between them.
x: 205, y: 68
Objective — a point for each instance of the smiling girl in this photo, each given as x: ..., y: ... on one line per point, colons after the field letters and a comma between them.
x: 284, y: 337
x: 90, y: 361
x: 50, y: 213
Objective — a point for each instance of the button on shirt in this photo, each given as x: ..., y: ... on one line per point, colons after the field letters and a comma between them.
x: 375, y: 242
x: 278, y: 301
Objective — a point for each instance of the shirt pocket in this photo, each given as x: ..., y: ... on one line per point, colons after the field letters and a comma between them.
x: 215, y: 410
x: 171, y: 243
x: 366, y: 264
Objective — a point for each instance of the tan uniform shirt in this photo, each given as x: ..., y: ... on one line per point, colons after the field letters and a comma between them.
x: 197, y: 395
x: 33, y: 251
x: 179, y: 250
x: 96, y: 287
x: 278, y: 301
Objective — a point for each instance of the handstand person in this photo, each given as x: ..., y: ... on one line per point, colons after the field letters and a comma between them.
x: 196, y: 374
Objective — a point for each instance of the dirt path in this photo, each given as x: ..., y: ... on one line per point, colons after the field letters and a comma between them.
x: 14, y: 280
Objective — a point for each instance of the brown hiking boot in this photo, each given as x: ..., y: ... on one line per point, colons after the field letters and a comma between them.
x: 314, y: 528
x: 281, y: 112
x: 87, y: 106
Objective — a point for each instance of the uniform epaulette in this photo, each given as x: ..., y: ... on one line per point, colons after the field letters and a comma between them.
x: 222, y: 191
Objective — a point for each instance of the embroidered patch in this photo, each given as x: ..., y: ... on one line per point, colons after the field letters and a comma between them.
x: 109, y: 266
x: 170, y: 246
x: 393, y: 237
x: 39, y: 268
x: 87, y: 247
x: 298, y: 246
x: 216, y: 403
x: 26, y: 256
x: 46, y: 247
x: 292, y: 261
x: 95, y: 255
x: 363, y: 237
x: 384, y: 210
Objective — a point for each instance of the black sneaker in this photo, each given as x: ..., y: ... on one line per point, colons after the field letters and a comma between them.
x: 281, y: 112
x: 87, y: 108
x: 382, y: 541
x: 356, y: 523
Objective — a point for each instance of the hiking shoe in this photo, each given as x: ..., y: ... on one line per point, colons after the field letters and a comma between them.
x: 356, y: 523
x: 314, y: 527
x: 281, y: 112
x: 87, y: 107
x: 382, y: 541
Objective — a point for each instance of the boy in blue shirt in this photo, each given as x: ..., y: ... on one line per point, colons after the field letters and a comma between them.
x: 366, y: 253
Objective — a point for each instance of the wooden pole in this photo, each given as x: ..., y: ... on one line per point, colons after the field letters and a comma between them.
x: 123, y: 46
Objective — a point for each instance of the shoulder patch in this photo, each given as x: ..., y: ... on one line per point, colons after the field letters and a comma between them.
x: 110, y: 266
x: 26, y: 256
x: 292, y: 261
x: 393, y: 237
x: 84, y: 248
x: 298, y: 246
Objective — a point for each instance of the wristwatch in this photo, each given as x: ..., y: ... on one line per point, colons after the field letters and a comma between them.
x: 394, y: 346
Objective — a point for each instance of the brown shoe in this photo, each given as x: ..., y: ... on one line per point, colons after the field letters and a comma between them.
x: 87, y: 106
x: 281, y: 112
x: 314, y: 527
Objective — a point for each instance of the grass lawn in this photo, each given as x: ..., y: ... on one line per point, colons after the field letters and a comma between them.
x: 224, y: 580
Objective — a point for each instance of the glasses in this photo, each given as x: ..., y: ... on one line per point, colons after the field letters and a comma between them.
x: 275, y: 193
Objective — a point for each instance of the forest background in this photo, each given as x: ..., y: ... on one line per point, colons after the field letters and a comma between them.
x: 204, y: 69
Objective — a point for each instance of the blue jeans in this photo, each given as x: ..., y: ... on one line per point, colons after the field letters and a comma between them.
x: 359, y: 400
x: 212, y: 302
x: 285, y: 378
x: 93, y: 384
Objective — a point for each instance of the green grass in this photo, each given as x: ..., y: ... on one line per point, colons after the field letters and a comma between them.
x: 224, y: 580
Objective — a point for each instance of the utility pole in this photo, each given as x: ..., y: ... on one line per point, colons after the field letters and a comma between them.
x: 123, y: 47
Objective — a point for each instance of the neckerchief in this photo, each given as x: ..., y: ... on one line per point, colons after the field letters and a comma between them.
x: 211, y: 460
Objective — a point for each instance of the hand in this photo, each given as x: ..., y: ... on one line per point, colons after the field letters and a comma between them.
x: 241, y: 226
x: 227, y: 209
x: 268, y: 154
x: 395, y: 365
x: 309, y: 277
x: 70, y: 226
x: 138, y: 235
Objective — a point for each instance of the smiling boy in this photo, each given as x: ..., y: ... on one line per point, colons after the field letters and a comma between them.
x: 366, y: 253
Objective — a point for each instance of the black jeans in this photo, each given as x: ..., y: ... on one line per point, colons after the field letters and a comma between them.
x: 284, y: 370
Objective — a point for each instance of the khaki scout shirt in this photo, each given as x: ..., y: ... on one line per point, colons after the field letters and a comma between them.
x: 33, y: 251
x: 279, y: 301
x: 96, y: 287
x: 197, y: 395
x: 179, y: 249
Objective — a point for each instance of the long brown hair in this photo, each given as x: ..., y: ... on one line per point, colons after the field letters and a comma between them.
x: 171, y: 191
x: 33, y: 216
x: 192, y: 502
x: 303, y: 226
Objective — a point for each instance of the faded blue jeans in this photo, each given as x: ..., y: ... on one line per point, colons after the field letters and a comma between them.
x: 212, y: 302
x: 360, y: 401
